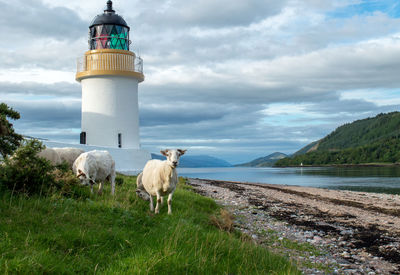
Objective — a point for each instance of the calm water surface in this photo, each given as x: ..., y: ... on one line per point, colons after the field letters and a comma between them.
x: 371, y: 179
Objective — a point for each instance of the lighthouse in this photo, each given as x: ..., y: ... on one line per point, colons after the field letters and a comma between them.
x: 109, y: 74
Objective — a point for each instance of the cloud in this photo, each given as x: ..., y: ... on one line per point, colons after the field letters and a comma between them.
x: 237, y: 79
x: 208, y: 13
x: 49, y: 112
x: 34, y: 89
x: 30, y: 19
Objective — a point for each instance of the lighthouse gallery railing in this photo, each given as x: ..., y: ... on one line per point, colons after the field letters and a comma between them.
x: 110, y: 62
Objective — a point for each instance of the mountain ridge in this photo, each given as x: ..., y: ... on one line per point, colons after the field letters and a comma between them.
x: 266, y: 161
x: 370, y: 140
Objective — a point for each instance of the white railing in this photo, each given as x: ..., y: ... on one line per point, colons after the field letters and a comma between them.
x: 110, y: 62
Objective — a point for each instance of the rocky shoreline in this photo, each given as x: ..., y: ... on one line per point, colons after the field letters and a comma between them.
x: 322, y: 231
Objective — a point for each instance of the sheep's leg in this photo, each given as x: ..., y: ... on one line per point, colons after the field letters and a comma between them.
x: 162, y: 200
x: 112, y: 184
x: 169, y: 203
x: 112, y: 179
x: 151, y: 204
x: 100, y: 188
x: 91, y: 188
x: 158, y: 203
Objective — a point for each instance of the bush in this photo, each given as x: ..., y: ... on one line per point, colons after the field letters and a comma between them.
x: 66, y: 184
x: 26, y: 172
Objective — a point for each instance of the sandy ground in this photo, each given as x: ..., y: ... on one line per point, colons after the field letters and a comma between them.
x: 359, y: 231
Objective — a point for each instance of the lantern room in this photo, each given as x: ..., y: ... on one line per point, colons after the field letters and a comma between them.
x: 109, y: 31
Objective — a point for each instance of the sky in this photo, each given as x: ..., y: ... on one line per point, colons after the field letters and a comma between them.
x: 231, y: 79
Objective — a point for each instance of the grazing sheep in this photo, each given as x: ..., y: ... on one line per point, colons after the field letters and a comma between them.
x: 159, y: 178
x: 51, y: 155
x: 95, y: 166
x: 69, y: 154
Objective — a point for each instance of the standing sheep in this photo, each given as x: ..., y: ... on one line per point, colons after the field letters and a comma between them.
x: 69, y: 154
x: 95, y: 166
x: 159, y: 178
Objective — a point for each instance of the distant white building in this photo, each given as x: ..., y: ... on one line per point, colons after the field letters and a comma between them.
x: 109, y: 75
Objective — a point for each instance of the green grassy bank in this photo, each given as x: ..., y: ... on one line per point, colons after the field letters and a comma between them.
x: 106, y: 235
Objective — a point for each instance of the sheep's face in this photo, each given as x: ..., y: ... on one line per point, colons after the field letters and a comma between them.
x: 83, y: 178
x: 173, y: 156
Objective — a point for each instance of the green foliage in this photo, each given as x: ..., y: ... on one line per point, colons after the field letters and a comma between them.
x: 383, y: 151
x: 119, y: 235
x: 9, y: 140
x: 371, y: 140
x: 362, y: 132
x: 26, y: 172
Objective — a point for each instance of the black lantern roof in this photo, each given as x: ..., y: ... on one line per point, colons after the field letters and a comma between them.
x: 109, y: 17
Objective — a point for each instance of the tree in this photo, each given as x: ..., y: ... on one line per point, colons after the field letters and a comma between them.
x: 9, y: 140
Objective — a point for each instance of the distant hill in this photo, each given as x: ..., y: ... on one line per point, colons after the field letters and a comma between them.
x: 308, y: 148
x: 197, y: 161
x: 367, y: 140
x: 264, y: 161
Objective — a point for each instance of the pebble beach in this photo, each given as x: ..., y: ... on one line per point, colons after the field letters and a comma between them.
x: 322, y: 231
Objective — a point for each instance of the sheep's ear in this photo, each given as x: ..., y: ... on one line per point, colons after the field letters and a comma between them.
x: 181, y: 152
x: 80, y: 173
x: 165, y: 152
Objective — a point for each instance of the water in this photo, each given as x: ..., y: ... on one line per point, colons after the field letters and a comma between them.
x: 369, y: 179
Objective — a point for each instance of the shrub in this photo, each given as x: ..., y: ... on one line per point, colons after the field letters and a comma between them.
x: 66, y: 184
x: 26, y: 172
x: 224, y: 221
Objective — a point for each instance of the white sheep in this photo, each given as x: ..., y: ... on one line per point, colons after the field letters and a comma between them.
x: 51, y: 155
x: 95, y: 166
x: 159, y: 178
x: 69, y: 154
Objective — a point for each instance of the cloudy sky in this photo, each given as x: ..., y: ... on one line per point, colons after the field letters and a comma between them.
x: 232, y: 79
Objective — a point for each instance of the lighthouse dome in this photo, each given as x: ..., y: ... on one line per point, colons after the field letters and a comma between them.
x: 109, y: 31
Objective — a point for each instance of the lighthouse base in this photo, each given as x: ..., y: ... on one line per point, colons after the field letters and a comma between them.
x: 126, y: 160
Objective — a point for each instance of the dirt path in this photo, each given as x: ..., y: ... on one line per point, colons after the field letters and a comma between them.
x: 359, y: 231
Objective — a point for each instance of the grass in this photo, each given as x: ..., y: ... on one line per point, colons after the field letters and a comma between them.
x: 119, y: 235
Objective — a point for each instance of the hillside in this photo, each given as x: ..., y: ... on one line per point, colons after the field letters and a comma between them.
x: 358, y: 133
x: 264, y: 161
x: 308, y: 148
x: 196, y: 161
x: 370, y: 140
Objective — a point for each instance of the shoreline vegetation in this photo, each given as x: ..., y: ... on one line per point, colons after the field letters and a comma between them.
x: 103, y: 234
x: 378, y: 164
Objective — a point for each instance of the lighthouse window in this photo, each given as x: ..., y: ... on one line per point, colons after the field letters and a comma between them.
x: 119, y: 140
x: 109, y: 37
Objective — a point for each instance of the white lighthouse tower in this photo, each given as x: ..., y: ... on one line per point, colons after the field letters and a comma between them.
x: 109, y: 74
